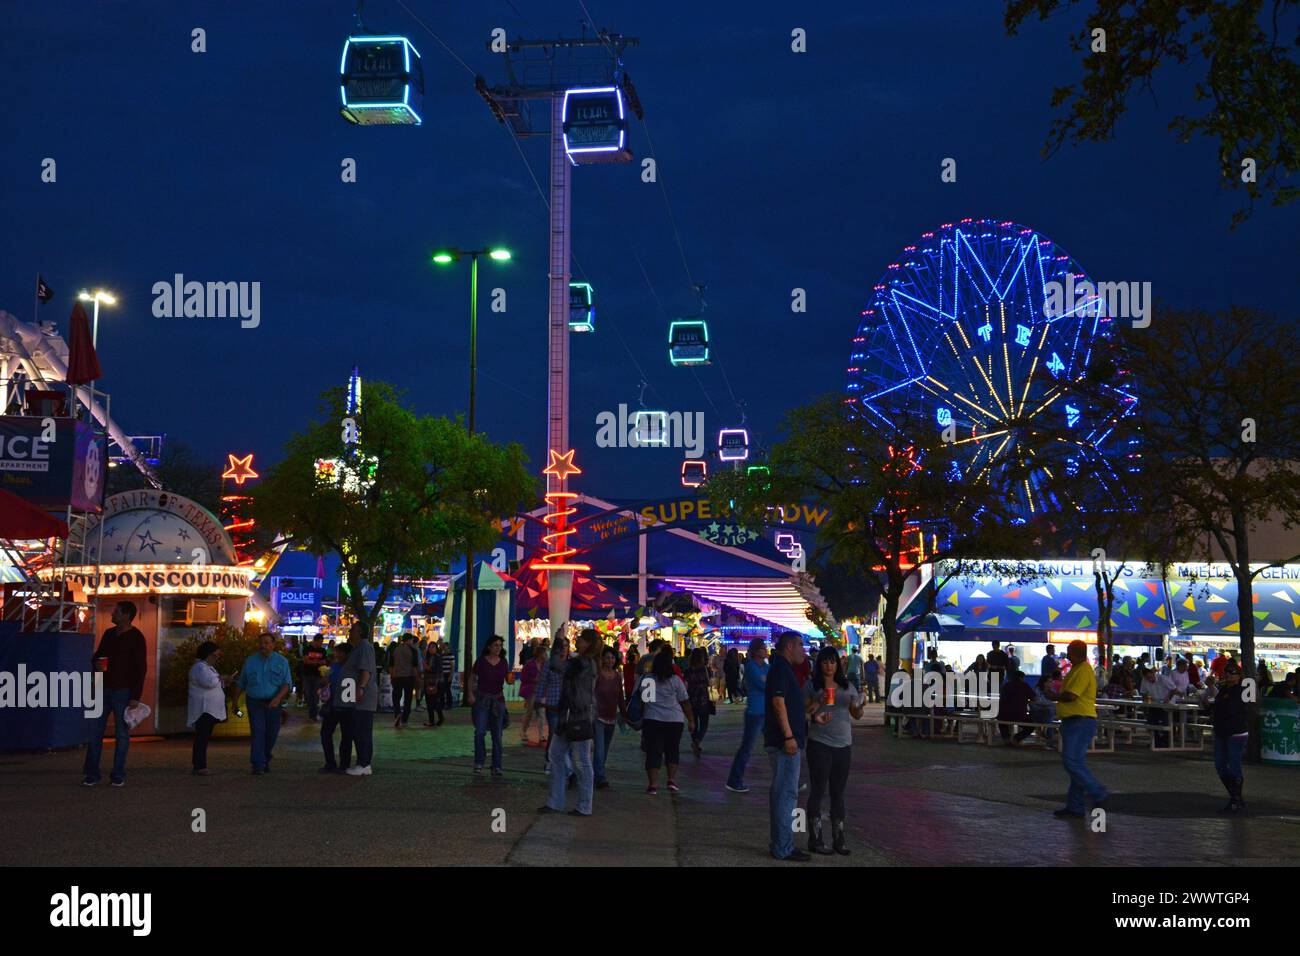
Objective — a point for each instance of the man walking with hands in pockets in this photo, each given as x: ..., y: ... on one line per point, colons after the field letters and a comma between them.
x: 784, y: 732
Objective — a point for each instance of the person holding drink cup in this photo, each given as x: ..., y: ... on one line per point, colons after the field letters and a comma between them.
x: 123, y: 660
x: 830, y: 700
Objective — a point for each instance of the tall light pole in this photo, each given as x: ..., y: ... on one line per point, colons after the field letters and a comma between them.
x: 447, y: 257
x: 98, y: 296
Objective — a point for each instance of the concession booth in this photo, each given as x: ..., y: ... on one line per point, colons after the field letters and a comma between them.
x: 175, y: 562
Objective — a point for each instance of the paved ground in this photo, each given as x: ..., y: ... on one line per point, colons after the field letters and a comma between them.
x: 910, y: 803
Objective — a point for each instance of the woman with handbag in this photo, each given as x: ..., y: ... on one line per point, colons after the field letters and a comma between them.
x: 575, y: 726
x: 697, y: 691
x: 207, y: 702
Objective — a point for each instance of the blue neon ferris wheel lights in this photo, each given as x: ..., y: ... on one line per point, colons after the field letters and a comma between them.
x: 958, y: 329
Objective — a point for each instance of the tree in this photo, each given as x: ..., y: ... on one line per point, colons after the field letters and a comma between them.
x: 410, y: 493
x: 1221, y: 432
x: 894, y: 504
x: 180, y: 471
x: 1109, y: 512
x: 1248, y: 76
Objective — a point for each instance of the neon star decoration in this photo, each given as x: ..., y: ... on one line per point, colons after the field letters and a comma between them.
x: 560, y: 502
x: 240, y: 470
x: 959, y: 327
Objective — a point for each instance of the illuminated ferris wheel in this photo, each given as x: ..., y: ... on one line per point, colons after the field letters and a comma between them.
x: 968, y: 330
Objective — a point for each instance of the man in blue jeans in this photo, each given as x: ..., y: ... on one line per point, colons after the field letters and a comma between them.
x: 756, y: 686
x: 784, y: 733
x: 123, y: 661
x: 265, y: 683
x: 1077, y: 709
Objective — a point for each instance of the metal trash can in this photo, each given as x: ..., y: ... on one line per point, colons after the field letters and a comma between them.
x: 1279, y: 721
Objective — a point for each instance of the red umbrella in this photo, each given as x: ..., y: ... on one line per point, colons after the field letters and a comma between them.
x: 19, y: 520
x: 83, y: 363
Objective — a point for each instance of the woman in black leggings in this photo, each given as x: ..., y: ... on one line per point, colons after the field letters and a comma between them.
x: 830, y: 700
x: 666, y: 711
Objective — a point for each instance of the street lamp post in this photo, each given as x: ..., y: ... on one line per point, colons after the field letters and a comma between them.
x: 447, y: 257
x: 97, y: 297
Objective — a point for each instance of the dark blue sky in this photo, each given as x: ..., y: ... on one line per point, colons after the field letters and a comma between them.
x: 784, y: 171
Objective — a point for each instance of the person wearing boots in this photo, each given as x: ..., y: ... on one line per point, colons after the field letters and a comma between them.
x: 829, y: 700
x: 1231, y: 731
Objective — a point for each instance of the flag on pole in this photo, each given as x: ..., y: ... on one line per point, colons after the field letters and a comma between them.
x: 43, y: 292
x: 83, y: 363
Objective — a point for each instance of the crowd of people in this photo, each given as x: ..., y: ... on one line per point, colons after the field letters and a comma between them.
x: 795, y: 706
x: 579, y: 697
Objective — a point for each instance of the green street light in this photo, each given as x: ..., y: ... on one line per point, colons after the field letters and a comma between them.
x: 446, y: 257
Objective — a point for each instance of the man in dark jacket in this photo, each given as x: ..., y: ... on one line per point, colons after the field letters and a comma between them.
x: 1231, y: 732
x: 314, y: 657
x: 403, y: 669
x: 122, y: 660
x: 1013, y: 706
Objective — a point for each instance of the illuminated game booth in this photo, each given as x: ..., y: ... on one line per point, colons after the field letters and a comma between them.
x: 173, y: 559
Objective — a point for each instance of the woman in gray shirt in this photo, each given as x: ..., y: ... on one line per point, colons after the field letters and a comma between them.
x: 830, y: 700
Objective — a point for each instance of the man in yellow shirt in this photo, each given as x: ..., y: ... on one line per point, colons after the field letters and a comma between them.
x: 1077, y: 708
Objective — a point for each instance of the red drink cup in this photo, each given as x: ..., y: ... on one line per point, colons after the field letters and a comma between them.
x: 828, y: 696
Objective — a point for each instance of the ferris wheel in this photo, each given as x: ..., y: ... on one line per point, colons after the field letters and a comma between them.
x: 967, y: 330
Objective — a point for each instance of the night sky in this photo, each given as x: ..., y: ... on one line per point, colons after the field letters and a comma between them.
x: 783, y: 171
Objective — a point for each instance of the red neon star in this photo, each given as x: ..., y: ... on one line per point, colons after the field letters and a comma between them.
x: 561, y: 465
x: 240, y: 469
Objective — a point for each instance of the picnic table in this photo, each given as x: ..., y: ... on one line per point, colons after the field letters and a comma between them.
x: 959, y: 717
x: 1177, y: 725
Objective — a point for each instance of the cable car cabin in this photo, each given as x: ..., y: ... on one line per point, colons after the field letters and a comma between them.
x: 694, y: 472
x: 595, y: 125
x: 688, y: 342
x: 651, y: 427
x: 733, y: 444
x: 582, y: 307
x: 381, y: 81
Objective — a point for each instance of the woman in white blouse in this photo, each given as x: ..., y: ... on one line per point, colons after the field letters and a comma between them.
x: 207, y: 701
